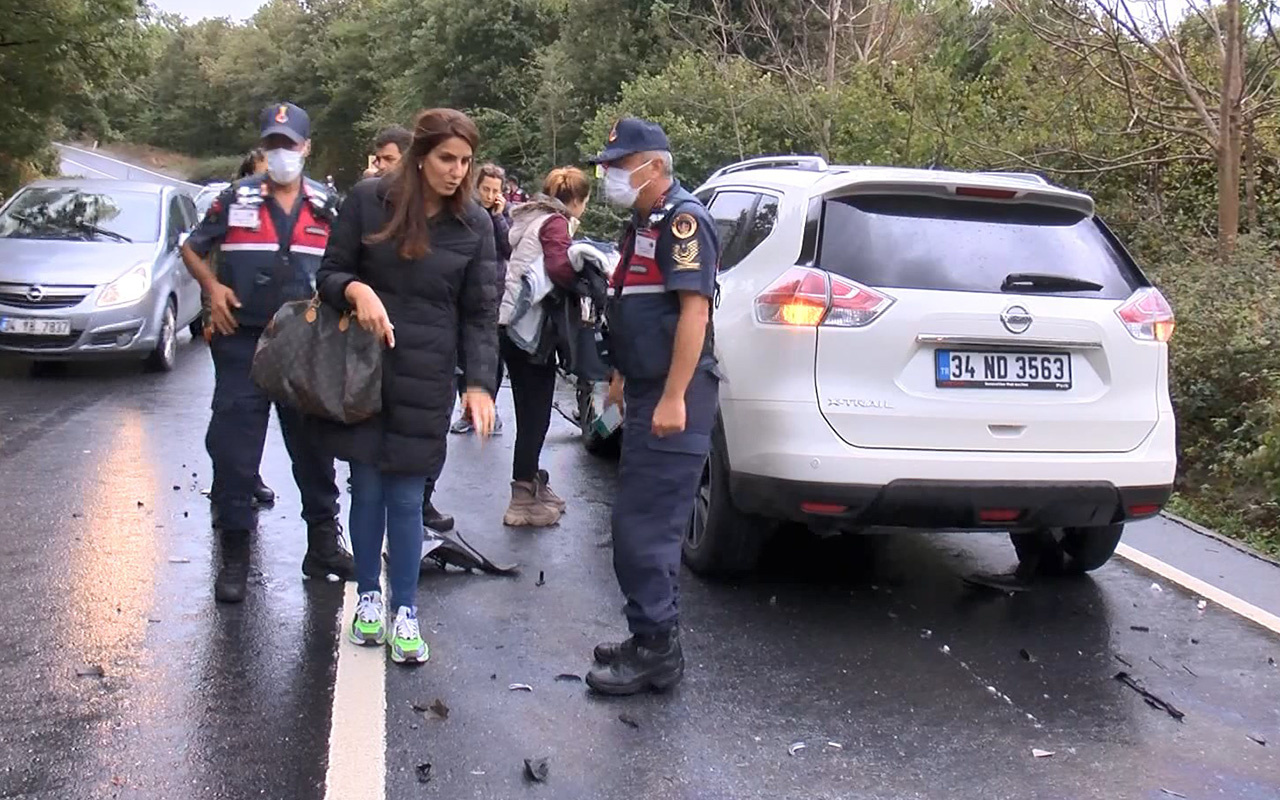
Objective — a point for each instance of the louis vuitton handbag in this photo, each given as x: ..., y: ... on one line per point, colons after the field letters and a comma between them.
x: 318, y: 360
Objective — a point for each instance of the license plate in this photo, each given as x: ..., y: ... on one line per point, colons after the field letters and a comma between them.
x: 970, y: 369
x: 35, y: 327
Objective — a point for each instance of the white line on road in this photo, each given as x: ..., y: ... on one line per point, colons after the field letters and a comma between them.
x: 130, y: 166
x: 91, y: 169
x: 358, y: 728
x: 1206, y: 590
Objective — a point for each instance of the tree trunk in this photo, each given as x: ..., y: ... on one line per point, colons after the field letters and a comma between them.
x: 1250, y: 177
x: 1229, y: 136
x: 833, y: 40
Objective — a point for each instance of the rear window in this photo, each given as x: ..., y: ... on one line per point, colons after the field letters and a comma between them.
x: 913, y: 242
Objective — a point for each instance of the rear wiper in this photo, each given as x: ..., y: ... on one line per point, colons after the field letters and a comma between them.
x: 120, y: 237
x: 1034, y: 282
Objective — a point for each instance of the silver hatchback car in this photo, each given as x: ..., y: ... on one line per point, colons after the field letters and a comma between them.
x: 92, y: 269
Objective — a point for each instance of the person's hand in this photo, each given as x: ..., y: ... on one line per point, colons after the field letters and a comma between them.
x: 477, y: 404
x: 614, y: 397
x: 222, y: 302
x: 370, y: 312
x: 668, y: 417
x: 499, y: 205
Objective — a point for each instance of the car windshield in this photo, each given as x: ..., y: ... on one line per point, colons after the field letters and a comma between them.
x: 82, y: 214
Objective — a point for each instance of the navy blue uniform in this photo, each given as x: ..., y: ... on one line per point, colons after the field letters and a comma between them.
x: 268, y: 257
x: 673, y: 249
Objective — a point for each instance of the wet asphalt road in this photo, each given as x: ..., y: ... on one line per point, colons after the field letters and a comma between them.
x: 930, y: 689
x: 105, y: 561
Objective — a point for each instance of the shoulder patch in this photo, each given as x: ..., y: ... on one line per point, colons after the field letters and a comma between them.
x: 684, y: 226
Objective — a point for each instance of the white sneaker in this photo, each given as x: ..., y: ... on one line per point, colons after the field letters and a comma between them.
x: 369, y: 627
x: 406, y: 638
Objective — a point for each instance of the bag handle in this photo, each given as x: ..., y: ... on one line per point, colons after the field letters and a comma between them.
x: 313, y: 312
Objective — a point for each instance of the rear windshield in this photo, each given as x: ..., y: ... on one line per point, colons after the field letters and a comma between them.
x: 914, y: 242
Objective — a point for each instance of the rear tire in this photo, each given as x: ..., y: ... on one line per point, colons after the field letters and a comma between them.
x: 722, y: 541
x: 1066, y: 550
x: 165, y: 355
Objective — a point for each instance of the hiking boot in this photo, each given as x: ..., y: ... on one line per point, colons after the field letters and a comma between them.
x: 642, y: 663
x: 231, y: 583
x: 542, y: 480
x: 325, y: 555
x: 526, y: 510
x: 608, y: 652
x: 433, y: 519
x: 262, y: 494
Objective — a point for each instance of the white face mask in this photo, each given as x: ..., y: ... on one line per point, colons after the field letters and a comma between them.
x: 285, y: 166
x: 617, y: 185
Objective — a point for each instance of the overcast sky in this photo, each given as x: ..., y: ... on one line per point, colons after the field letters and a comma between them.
x: 199, y: 9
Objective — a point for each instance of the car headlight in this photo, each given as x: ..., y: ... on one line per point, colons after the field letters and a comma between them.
x: 128, y: 288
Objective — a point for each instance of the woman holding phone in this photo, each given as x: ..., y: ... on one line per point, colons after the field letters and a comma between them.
x: 412, y: 254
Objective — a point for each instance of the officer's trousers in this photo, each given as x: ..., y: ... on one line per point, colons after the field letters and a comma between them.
x: 658, y: 481
x: 238, y: 431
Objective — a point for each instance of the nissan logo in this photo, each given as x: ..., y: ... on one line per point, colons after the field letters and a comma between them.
x: 35, y: 294
x: 1016, y: 319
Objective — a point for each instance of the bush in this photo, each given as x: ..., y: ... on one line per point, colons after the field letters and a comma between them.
x: 1225, y: 380
x: 218, y: 168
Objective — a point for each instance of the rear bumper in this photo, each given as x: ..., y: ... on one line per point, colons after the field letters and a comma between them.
x: 949, y: 505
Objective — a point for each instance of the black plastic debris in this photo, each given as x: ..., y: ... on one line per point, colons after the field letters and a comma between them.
x: 185, y: 514
x: 493, y: 677
x: 91, y: 671
x: 1189, y: 672
x: 1004, y: 583
x: 76, y: 515
x: 1153, y: 700
x: 537, y: 769
x: 177, y: 488
x: 1172, y: 793
x: 1270, y: 660
x: 446, y: 550
x: 628, y: 721
x: 1026, y: 655
x: 1123, y: 660
x: 424, y: 773
x: 1140, y: 628
x: 1195, y: 641
x: 1257, y: 739
x: 569, y: 677
x: 436, y: 707
x: 542, y: 579
x: 140, y: 504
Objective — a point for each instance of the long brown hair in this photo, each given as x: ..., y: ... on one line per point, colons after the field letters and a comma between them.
x: 408, y: 225
x: 567, y: 184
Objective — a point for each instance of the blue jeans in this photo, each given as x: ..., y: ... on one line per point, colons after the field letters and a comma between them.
x: 391, y: 503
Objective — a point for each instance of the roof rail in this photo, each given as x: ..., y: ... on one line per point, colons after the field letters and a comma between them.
x: 1030, y: 177
x: 810, y: 163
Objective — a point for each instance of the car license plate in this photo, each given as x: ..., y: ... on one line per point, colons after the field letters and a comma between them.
x: 29, y: 326
x: 971, y: 369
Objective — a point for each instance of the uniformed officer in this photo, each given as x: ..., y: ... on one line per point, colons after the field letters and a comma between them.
x: 270, y: 232
x: 660, y: 344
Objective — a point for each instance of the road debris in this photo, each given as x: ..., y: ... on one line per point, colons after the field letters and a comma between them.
x: 1189, y: 672
x: 91, y: 671
x: 1155, y: 587
x: 1026, y: 655
x: 141, y: 504
x: 537, y: 769
x: 835, y: 745
x: 542, y: 579
x: 477, y: 772
x: 1007, y: 583
x: 1257, y: 739
x: 625, y: 719
x: 520, y: 687
x: 1172, y: 793
x: 1152, y: 659
x: 437, y: 707
x: 569, y: 677
x: 1151, y: 699
x: 179, y: 560
x: 796, y: 747
x: 1037, y: 753
x: 177, y: 488
x: 926, y: 634
x: 1202, y: 605
x: 1140, y: 628
x: 424, y: 773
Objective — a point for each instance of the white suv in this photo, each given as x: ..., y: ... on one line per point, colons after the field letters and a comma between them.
x: 929, y: 350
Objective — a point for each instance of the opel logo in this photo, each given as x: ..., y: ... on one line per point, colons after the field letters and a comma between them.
x: 35, y: 294
x: 1016, y: 319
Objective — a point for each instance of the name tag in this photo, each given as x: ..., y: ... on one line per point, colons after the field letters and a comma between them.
x: 647, y: 245
x: 242, y: 216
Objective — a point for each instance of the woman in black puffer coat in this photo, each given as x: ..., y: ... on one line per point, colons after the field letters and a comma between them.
x: 413, y: 255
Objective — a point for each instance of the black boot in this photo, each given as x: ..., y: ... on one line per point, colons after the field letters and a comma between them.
x: 433, y: 519
x: 233, y: 566
x: 608, y: 652
x: 642, y: 663
x: 262, y: 494
x: 324, y: 555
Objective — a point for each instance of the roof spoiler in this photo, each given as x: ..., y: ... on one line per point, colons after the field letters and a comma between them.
x: 985, y: 189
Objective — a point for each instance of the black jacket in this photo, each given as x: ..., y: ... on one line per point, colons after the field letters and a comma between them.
x: 431, y: 302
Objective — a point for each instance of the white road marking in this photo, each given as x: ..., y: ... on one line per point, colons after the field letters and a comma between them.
x: 1206, y: 590
x: 91, y: 169
x: 358, y: 729
x: 166, y: 178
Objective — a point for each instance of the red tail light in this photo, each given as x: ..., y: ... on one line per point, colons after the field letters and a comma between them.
x: 999, y: 515
x: 1147, y: 315
x: 806, y: 298
x: 1144, y: 511
x: 823, y: 508
x: 991, y: 194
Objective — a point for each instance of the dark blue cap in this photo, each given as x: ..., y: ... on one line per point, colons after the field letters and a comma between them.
x: 631, y: 135
x: 285, y: 119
